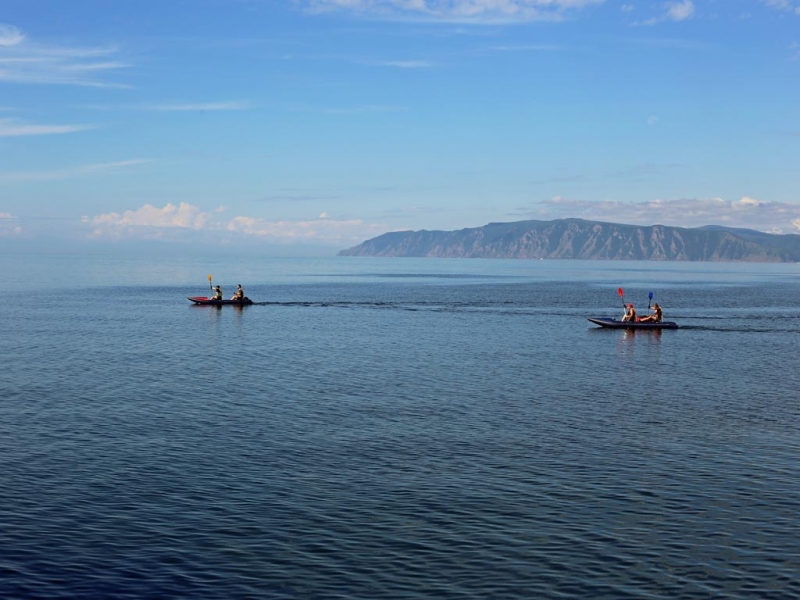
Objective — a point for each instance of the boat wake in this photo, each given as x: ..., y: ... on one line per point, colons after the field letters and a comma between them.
x: 739, y: 329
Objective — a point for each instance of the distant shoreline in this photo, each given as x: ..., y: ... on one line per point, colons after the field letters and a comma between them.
x: 587, y: 240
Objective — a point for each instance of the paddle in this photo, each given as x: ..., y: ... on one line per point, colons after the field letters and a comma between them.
x: 621, y: 295
x: 650, y: 299
x: 209, y: 282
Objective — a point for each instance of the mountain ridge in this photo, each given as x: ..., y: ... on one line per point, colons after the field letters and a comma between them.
x: 588, y: 240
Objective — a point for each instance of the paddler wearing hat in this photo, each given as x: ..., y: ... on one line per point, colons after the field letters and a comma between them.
x: 630, y: 314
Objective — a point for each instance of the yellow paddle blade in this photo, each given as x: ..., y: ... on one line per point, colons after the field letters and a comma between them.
x: 209, y: 277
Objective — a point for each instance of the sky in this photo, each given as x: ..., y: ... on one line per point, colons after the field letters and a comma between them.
x: 322, y: 123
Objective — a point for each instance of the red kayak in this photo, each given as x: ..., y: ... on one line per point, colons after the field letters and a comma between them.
x: 211, y: 302
x: 614, y: 324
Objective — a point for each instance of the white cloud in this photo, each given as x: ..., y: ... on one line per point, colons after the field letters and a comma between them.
x: 25, y: 61
x: 652, y: 120
x: 787, y: 5
x: 71, y: 172
x: 318, y: 230
x: 186, y: 221
x: 746, y: 201
x: 10, y: 35
x: 626, y: 8
x: 183, y: 216
x: 673, y: 11
x: 680, y: 11
x: 747, y: 212
x: 15, y: 127
x: 463, y: 11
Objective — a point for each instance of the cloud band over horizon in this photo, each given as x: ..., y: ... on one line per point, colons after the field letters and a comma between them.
x: 174, y: 221
x: 456, y: 11
x: 746, y: 213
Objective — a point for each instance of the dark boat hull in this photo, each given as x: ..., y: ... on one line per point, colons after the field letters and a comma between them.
x: 614, y: 324
x: 211, y: 302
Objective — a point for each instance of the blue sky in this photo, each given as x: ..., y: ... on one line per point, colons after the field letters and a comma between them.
x: 326, y: 122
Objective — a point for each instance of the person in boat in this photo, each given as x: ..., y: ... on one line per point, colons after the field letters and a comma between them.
x: 217, y: 293
x: 238, y: 294
x: 630, y: 314
x: 655, y: 317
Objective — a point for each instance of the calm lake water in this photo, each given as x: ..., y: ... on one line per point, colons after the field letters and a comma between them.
x: 397, y: 428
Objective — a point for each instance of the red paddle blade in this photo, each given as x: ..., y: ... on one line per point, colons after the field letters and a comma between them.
x: 620, y: 292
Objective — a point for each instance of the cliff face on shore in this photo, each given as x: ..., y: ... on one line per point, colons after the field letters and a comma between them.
x: 593, y: 240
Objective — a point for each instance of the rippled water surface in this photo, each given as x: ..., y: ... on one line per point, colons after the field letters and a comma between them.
x: 397, y: 429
